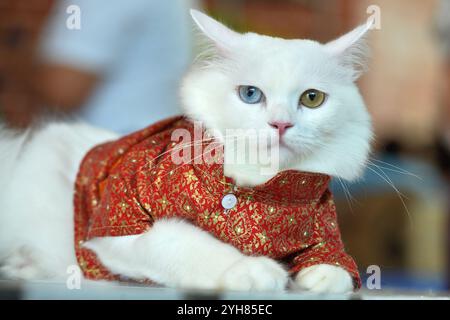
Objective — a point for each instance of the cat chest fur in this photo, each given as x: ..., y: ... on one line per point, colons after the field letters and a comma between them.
x: 125, y: 185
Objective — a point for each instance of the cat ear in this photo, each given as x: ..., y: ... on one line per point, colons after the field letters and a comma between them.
x: 351, y: 49
x: 222, y: 36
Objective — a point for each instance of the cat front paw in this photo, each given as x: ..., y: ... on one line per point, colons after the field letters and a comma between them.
x: 324, y: 278
x: 255, y: 274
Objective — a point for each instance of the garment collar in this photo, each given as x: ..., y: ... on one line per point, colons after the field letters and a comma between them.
x: 286, y: 186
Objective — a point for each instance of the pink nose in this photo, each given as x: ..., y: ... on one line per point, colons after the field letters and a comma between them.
x: 281, y: 126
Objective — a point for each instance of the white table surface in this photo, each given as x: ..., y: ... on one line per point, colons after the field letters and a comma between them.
x: 107, y: 290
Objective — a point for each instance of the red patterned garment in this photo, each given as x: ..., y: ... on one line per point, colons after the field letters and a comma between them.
x: 123, y: 186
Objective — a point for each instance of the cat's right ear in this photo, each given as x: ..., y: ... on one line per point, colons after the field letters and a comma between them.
x: 223, y: 37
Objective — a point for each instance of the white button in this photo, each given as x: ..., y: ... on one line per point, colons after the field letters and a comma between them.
x: 229, y: 201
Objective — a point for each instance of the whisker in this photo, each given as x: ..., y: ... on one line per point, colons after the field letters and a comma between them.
x: 388, y: 178
x: 392, y: 170
x: 185, y: 163
x: 347, y: 195
x: 178, y: 148
x: 400, y: 195
x: 400, y: 170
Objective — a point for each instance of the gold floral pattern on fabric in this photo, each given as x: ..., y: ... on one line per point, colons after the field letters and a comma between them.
x: 123, y: 186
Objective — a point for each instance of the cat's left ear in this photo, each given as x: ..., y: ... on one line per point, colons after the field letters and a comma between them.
x: 351, y: 49
x: 223, y: 37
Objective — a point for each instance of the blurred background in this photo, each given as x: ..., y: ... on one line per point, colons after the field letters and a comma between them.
x: 119, y: 64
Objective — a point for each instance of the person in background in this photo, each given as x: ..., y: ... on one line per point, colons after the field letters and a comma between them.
x: 120, y: 69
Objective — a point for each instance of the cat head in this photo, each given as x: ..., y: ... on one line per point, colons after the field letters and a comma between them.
x: 300, y: 91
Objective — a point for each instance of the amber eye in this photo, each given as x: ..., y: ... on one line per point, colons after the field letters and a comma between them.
x: 312, y: 98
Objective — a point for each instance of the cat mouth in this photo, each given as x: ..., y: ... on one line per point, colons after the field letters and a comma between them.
x: 283, y: 144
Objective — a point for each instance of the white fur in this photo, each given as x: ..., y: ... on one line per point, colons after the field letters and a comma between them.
x: 323, y: 278
x: 178, y: 254
x: 36, y: 212
x: 332, y: 139
x: 38, y: 167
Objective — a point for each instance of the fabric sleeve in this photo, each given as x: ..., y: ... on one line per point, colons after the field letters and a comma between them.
x: 329, y: 248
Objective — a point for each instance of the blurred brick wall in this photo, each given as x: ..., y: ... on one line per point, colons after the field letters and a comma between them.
x: 318, y: 19
x: 20, y: 25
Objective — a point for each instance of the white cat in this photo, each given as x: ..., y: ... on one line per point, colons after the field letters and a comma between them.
x: 247, y: 81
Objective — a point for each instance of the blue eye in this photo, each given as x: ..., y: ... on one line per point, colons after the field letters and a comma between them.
x: 250, y: 94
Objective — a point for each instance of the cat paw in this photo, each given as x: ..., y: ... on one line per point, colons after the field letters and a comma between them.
x: 255, y: 274
x: 324, y: 278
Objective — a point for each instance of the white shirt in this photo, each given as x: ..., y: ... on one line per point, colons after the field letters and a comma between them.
x: 139, y: 48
